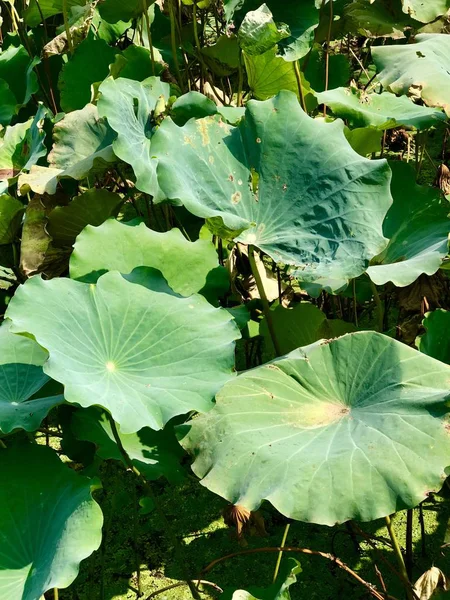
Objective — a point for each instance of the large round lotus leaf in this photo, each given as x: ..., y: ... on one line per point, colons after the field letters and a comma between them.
x: 47, y: 8
x: 154, y: 453
x: 436, y: 340
x: 382, y: 18
x: 425, y: 10
x: 418, y: 226
x: 143, y: 355
x: 354, y: 428
x: 302, y: 193
x: 420, y: 68
x: 383, y: 111
x: 128, y: 106
x: 49, y: 522
x: 115, y: 246
x: 23, y: 402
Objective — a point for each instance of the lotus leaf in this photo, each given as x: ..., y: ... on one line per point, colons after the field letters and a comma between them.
x: 143, y: 355
x: 354, y: 428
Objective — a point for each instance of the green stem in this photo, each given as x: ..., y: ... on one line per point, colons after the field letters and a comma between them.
x: 299, y: 85
x: 409, y: 543
x: 399, y: 557
x: 327, y: 54
x: 380, y: 307
x: 55, y: 594
x: 263, y: 296
x: 199, y: 48
x: 173, y: 42
x: 240, y: 80
x: 149, y: 36
x: 150, y: 494
x: 3, y: 445
x: 67, y: 26
x: 280, y: 554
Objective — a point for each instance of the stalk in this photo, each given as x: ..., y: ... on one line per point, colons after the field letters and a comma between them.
x: 149, y: 492
x: 399, y: 557
x: 199, y: 48
x: 298, y: 77
x: 327, y: 54
x: 67, y: 26
x: 240, y: 80
x: 380, y: 307
x: 173, y: 42
x: 55, y: 594
x: 280, y: 554
x: 263, y: 296
x: 149, y: 36
x: 2, y: 444
x: 409, y: 543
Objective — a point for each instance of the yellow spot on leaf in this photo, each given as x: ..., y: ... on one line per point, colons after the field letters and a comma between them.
x: 236, y: 197
x: 203, y: 128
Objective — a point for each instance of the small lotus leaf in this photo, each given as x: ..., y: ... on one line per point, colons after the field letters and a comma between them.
x: 436, y: 340
x: 120, y: 247
x: 417, y: 226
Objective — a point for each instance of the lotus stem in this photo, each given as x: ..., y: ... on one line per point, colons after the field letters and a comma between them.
x: 148, y: 490
x: 280, y: 554
x: 173, y: 42
x: 399, y: 557
x: 409, y: 543
x: 327, y: 53
x: 263, y: 296
x: 240, y: 80
x: 149, y: 36
x: 380, y: 307
x: 67, y: 27
x: 55, y: 594
x: 3, y: 445
x: 299, y: 85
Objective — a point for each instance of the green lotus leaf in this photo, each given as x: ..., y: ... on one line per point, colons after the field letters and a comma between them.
x: 18, y: 81
x: 382, y: 18
x: 279, y: 590
x: 384, y: 110
x: 222, y: 57
x: 113, y: 11
x: 294, y: 183
x: 11, y: 211
x: 128, y: 106
x: 49, y: 522
x: 81, y: 72
x: 314, y: 69
x: 418, y: 69
x: 364, y: 140
x: 79, y: 138
x: 301, y: 17
x: 21, y: 146
x: 116, y: 246
x: 90, y: 208
x: 23, y: 402
x: 259, y: 32
x: 196, y: 105
x: 436, y: 340
x: 135, y: 63
x: 82, y: 146
x: 268, y: 74
x: 425, y: 11
x: 143, y: 355
x: 154, y: 453
x: 417, y: 226
x: 300, y: 326
x: 353, y: 428
x: 48, y: 8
